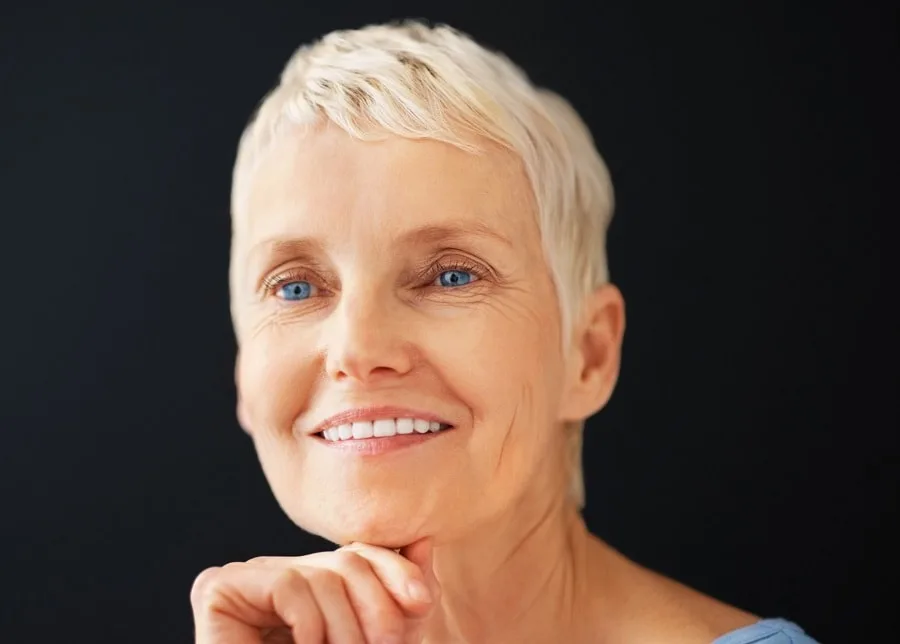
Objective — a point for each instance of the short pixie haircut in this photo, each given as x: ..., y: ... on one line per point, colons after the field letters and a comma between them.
x: 433, y: 82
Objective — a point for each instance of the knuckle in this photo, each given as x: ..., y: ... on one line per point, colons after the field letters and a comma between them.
x: 295, y: 604
x: 323, y: 578
x: 351, y: 562
x: 204, y: 585
x: 268, y: 560
x: 234, y: 565
x: 386, y: 622
x: 289, y: 579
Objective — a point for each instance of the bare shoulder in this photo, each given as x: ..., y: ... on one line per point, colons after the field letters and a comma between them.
x: 650, y: 607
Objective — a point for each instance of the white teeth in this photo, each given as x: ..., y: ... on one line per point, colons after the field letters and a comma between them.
x: 381, y: 428
x: 385, y: 427
x: 363, y: 429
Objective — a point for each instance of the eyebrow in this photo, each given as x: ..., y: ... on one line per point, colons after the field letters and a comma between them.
x: 434, y: 233
x: 283, y: 248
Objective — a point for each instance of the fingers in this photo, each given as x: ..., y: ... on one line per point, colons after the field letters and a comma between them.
x: 341, y: 624
x: 379, y: 615
x: 421, y: 554
x: 397, y: 573
x: 404, y: 579
x: 356, y: 594
x: 233, y: 604
x: 377, y: 611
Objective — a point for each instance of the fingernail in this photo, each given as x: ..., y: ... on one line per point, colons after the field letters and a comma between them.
x: 418, y: 591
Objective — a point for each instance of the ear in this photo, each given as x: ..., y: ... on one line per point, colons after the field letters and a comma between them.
x: 242, y: 418
x: 594, y: 354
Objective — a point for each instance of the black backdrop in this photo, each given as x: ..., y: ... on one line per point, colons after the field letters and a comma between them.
x: 749, y: 449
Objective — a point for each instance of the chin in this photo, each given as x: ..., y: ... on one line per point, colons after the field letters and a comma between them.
x: 385, y: 530
x: 369, y: 519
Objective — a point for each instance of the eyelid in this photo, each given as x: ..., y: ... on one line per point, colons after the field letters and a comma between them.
x: 270, y: 284
x: 445, y: 265
x: 298, y: 268
x: 457, y: 259
x: 428, y: 274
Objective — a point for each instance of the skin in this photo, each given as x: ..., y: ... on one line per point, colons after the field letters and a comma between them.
x: 479, y: 514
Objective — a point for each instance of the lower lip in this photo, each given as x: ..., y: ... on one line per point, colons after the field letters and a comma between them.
x: 381, y: 444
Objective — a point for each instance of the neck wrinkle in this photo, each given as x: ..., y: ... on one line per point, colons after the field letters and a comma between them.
x: 521, y: 578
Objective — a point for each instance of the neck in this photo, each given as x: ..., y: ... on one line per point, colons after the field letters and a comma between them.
x: 521, y: 577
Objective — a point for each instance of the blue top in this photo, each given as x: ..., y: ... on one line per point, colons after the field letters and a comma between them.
x: 767, y: 631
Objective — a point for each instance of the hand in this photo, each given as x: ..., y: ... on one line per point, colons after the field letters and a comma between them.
x: 358, y: 594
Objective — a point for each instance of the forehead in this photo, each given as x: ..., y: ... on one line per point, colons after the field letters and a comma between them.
x: 326, y: 182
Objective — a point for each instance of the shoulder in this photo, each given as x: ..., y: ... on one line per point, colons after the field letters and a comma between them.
x: 650, y: 607
x: 767, y: 631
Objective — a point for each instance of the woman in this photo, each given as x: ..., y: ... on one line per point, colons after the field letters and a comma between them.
x: 424, y: 320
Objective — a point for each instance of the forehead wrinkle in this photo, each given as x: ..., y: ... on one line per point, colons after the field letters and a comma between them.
x: 425, y: 235
x: 497, y: 208
x: 429, y: 234
x: 285, y: 247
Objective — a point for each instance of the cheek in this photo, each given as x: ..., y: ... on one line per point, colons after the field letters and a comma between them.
x: 503, y: 363
x: 275, y: 376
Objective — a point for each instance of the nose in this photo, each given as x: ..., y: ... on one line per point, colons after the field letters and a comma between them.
x: 365, y: 339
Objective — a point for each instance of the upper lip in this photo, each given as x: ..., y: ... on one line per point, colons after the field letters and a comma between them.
x: 370, y: 413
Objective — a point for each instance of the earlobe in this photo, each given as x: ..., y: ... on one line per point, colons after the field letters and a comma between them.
x: 596, y: 354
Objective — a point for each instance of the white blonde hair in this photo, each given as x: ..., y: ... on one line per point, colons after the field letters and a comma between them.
x: 421, y: 82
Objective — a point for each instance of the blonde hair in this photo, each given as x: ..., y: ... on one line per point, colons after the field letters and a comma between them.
x: 416, y: 81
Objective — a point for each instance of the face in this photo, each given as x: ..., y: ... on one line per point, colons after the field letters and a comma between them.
x: 406, y: 274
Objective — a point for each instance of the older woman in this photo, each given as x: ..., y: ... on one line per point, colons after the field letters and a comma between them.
x: 424, y: 320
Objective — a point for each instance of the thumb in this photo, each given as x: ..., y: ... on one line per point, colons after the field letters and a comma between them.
x: 421, y: 553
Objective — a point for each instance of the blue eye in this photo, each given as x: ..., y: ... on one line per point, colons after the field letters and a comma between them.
x: 295, y: 290
x: 455, y: 278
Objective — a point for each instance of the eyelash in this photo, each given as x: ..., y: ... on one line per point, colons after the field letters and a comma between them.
x: 272, y: 284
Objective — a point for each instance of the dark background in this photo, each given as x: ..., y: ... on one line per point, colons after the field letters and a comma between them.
x: 750, y: 448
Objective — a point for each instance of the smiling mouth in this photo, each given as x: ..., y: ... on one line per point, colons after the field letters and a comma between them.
x: 381, y: 428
